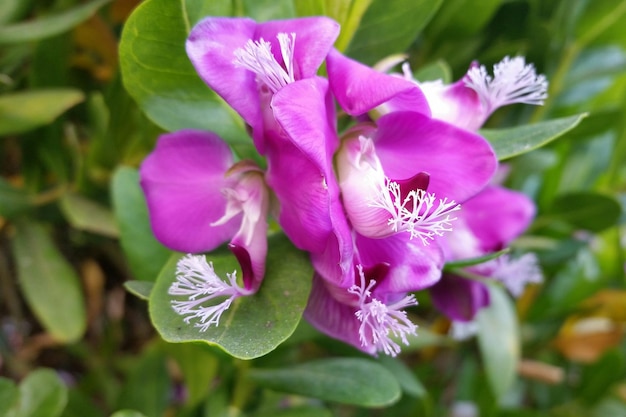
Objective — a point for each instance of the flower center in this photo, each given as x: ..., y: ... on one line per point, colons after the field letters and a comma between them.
x: 257, y: 56
x: 197, y: 281
x: 380, y: 321
x: 513, y: 81
x: 417, y: 212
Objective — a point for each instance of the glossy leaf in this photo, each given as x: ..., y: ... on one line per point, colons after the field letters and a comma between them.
x: 390, y: 26
x: 586, y: 210
x: 9, y: 396
x: 159, y: 76
x: 253, y: 325
x: 345, y: 380
x: 145, y: 255
x: 42, y: 393
x: 27, y: 110
x: 14, y: 200
x: 47, y: 26
x: 87, y: 215
x: 141, y: 289
x: 499, y: 340
x: 461, y: 18
x: 515, y: 141
x: 49, y: 283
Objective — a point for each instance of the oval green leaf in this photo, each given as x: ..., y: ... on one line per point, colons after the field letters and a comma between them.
x: 345, y: 380
x: 42, y: 393
x: 24, y: 111
x: 255, y: 325
x: 87, y: 215
x: 586, y: 210
x: 47, y: 26
x: 515, y: 141
x: 389, y: 27
x: 145, y: 255
x: 49, y: 284
x: 499, y: 340
x: 159, y: 76
x: 141, y: 289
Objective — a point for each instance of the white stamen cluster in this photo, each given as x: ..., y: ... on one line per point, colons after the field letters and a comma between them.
x: 516, y: 273
x: 419, y: 213
x: 257, y: 57
x: 380, y: 321
x: 513, y: 81
x: 198, y: 282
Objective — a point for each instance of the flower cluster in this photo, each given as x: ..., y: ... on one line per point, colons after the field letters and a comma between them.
x: 377, y: 206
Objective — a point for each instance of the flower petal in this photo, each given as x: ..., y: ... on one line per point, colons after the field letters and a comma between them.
x: 182, y: 180
x: 459, y: 298
x: 460, y: 163
x: 359, y: 88
x: 455, y: 104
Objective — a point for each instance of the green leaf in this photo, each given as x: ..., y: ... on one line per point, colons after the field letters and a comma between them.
x: 84, y: 214
x: 42, y: 394
x: 145, y: 255
x: 514, y: 141
x: 461, y: 18
x: 127, y: 413
x: 253, y: 325
x: 159, y: 76
x: 390, y: 26
x: 586, y: 210
x: 141, y: 289
x: 597, y: 378
x: 9, y: 396
x: 344, y: 380
x: 499, y: 340
x: 14, y: 200
x: 24, y: 111
x: 406, y: 378
x: 199, y: 366
x: 298, y: 411
x: 51, y: 287
x: 532, y: 136
x: 450, y: 266
x: 47, y: 26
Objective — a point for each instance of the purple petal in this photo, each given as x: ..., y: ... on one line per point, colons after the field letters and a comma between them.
x: 496, y: 216
x: 460, y: 163
x: 210, y: 47
x: 359, y: 88
x: 455, y: 104
x: 333, y: 318
x: 459, y: 298
x: 300, y: 162
x: 182, y: 180
x: 314, y: 38
x: 412, y: 266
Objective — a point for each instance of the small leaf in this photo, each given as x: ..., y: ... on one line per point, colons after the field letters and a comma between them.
x: 145, y: 255
x: 344, y: 380
x: 48, y: 282
x: 141, y: 289
x: 586, y: 210
x: 9, y: 396
x: 47, y: 26
x: 499, y: 340
x: 253, y: 325
x: 450, y: 266
x: 24, y: 111
x: 390, y: 26
x: 84, y: 214
x: 407, y: 379
x: 127, y: 413
x: 14, y: 200
x: 514, y: 141
x: 159, y: 76
x: 42, y: 394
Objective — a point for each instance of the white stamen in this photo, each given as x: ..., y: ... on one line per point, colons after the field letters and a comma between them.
x: 515, y: 274
x: 257, y: 57
x: 513, y: 81
x: 197, y: 281
x: 380, y: 321
x: 418, y: 213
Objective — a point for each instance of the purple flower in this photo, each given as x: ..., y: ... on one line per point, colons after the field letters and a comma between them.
x: 489, y: 222
x: 468, y: 102
x: 197, y: 200
x: 246, y: 62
